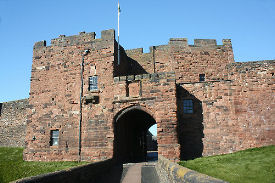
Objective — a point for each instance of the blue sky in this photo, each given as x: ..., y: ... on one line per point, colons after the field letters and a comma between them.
x: 249, y: 23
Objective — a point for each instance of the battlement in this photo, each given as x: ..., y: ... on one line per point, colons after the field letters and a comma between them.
x: 81, y: 38
x: 183, y: 42
x: 199, y: 42
x: 151, y: 48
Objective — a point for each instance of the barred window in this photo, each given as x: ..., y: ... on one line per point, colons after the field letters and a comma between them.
x: 202, y: 77
x: 93, y: 85
x: 54, y: 138
x: 188, y: 106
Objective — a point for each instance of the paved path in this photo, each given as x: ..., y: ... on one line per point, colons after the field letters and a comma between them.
x: 133, y: 174
x: 141, y: 173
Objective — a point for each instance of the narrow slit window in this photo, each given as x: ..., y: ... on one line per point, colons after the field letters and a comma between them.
x: 54, y: 138
x: 188, y: 106
x: 93, y: 83
x: 202, y: 77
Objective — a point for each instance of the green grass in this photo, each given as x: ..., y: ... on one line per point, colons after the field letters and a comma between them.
x: 12, y: 166
x: 255, y: 165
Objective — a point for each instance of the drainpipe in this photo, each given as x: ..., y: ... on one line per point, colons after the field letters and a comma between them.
x: 80, y: 103
x: 154, y: 59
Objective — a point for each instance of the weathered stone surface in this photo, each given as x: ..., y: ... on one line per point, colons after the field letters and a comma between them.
x: 13, y: 121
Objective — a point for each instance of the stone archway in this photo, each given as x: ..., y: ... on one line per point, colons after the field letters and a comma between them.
x: 131, y: 126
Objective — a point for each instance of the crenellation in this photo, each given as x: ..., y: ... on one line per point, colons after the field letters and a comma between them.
x: 160, y: 47
x: 179, y: 42
x: 108, y: 34
x: 63, y: 40
x: 40, y: 44
x: 226, y: 42
x: 205, y: 42
x: 134, y: 51
x: 81, y: 38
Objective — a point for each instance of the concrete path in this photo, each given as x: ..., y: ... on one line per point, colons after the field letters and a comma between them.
x: 141, y: 173
x: 133, y: 174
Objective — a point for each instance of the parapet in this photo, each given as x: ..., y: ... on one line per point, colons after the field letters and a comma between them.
x: 134, y: 51
x: 252, y: 65
x: 40, y: 44
x: 183, y: 42
x: 179, y: 41
x: 73, y: 40
x: 108, y: 34
x: 81, y: 38
x: 205, y: 42
x: 226, y: 42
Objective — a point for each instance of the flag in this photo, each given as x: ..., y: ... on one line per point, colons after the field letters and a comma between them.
x: 118, y: 54
x: 119, y: 10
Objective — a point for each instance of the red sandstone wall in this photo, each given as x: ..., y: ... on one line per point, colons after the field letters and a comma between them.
x: 239, y: 113
x: 157, y: 98
x: 54, y: 98
x: 145, y: 60
x: 157, y: 60
x: 204, y: 57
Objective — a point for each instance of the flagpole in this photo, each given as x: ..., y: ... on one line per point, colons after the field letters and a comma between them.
x: 118, y: 54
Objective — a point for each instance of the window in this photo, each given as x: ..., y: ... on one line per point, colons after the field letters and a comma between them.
x: 188, y: 106
x: 54, y: 138
x: 93, y: 83
x: 202, y: 77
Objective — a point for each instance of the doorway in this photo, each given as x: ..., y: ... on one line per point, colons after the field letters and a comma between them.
x: 131, y: 131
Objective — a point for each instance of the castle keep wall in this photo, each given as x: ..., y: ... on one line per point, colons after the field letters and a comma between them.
x: 55, y: 98
x: 237, y: 113
x: 13, y: 123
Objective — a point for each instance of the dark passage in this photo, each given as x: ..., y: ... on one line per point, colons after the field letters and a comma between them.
x: 131, y: 128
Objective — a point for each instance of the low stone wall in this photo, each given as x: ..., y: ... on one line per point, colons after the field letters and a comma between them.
x: 92, y: 173
x: 13, y: 123
x: 171, y: 172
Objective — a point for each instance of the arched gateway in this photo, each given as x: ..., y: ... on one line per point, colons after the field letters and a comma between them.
x: 131, y: 127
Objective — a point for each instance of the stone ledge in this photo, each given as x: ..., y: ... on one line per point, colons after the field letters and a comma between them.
x: 204, y: 82
x: 133, y: 99
x: 153, y: 76
x: 176, y: 173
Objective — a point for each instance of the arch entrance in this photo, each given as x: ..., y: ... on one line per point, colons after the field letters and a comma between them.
x: 131, y: 129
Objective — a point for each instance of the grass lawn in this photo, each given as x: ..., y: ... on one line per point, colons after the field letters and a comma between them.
x: 12, y: 166
x: 255, y: 165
